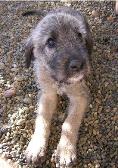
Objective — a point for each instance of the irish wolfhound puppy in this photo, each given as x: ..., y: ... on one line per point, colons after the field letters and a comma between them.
x: 60, y: 47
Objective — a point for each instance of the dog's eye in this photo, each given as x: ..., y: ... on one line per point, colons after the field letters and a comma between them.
x: 51, y: 43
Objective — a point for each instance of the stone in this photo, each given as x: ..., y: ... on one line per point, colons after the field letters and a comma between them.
x: 2, y: 65
x: 10, y: 92
x: 95, y: 13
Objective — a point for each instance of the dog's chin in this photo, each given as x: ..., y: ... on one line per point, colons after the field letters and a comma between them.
x: 76, y: 78
x: 79, y: 76
x: 72, y: 80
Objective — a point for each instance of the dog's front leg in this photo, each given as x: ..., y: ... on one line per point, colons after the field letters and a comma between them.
x: 46, y: 107
x: 66, y: 149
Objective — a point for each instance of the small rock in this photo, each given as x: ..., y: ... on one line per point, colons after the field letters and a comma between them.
x: 26, y: 109
x: 18, y: 78
x: 97, y: 165
x: 8, y: 134
x: 14, y: 69
x: 95, y: 13
x: 9, y: 93
x: 27, y: 100
x: 110, y: 18
x: 0, y: 90
x: 2, y: 65
x: 61, y: 117
x: 20, y: 121
x: 14, y: 65
x: 15, y: 84
x: 67, y: 4
x: 94, y: 132
x: 1, y: 112
x: 31, y: 107
x: 1, y: 151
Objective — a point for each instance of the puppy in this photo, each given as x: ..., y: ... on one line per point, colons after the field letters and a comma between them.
x: 60, y: 47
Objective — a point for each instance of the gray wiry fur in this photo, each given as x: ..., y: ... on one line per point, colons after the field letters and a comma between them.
x: 59, y: 69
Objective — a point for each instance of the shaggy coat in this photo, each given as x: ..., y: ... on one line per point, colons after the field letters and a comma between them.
x: 60, y: 47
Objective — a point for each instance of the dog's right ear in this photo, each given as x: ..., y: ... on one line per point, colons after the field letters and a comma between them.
x: 35, y: 12
x: 29, y: 55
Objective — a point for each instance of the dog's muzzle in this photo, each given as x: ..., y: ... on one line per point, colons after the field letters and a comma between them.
x: 61, y: 73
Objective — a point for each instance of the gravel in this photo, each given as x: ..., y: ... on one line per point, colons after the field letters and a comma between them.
x: 97, y: 141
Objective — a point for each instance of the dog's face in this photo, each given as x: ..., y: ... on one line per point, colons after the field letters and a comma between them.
x: 62, y: 42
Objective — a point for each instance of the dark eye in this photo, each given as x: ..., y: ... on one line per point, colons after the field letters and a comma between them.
x: 51, y: 43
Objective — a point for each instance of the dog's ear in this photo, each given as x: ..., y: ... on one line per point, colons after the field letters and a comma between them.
x: 29, y: 55
x: 89, y: 43
x: 88, y: 39
x: 40, y: 13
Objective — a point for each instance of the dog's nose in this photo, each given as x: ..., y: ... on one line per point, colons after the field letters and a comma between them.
x: 75, y: 65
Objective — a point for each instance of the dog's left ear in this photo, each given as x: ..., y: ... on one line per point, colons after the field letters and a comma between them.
x: 89, y: 43
x: 88, y: 40
x: 29, y: 55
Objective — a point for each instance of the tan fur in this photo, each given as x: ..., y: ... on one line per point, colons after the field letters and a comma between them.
x: 54, y: 76
x: 78, y: 95
x: 78, y: 103
x: 46, y: 108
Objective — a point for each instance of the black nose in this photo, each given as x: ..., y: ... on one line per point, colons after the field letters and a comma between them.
x: 75, y: 65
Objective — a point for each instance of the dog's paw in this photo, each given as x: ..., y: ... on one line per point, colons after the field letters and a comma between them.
x: 64, y: 157
x: 35, y: 151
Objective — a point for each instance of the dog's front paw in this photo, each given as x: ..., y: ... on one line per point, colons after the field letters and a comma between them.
x: 36, y: 150
x: 64, y: 156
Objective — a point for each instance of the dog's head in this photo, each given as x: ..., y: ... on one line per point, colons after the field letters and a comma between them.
x: 62, y: 42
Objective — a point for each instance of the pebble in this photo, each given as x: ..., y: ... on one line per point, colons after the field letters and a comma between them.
x: 27, y: 100
x: 1, y: 112
x: 2, y: 65
x: 10, y: 92
x: 1, y: 151
x: 14, y: 69
x: 95, y: 13
x: 110, y: 18
x: 19, y: 78
x: 61, y: 117
x: 20, y: 121
x: 97, y: 165
x: 31, y: 107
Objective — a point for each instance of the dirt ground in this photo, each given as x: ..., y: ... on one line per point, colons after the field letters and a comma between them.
x: 97, y: 141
